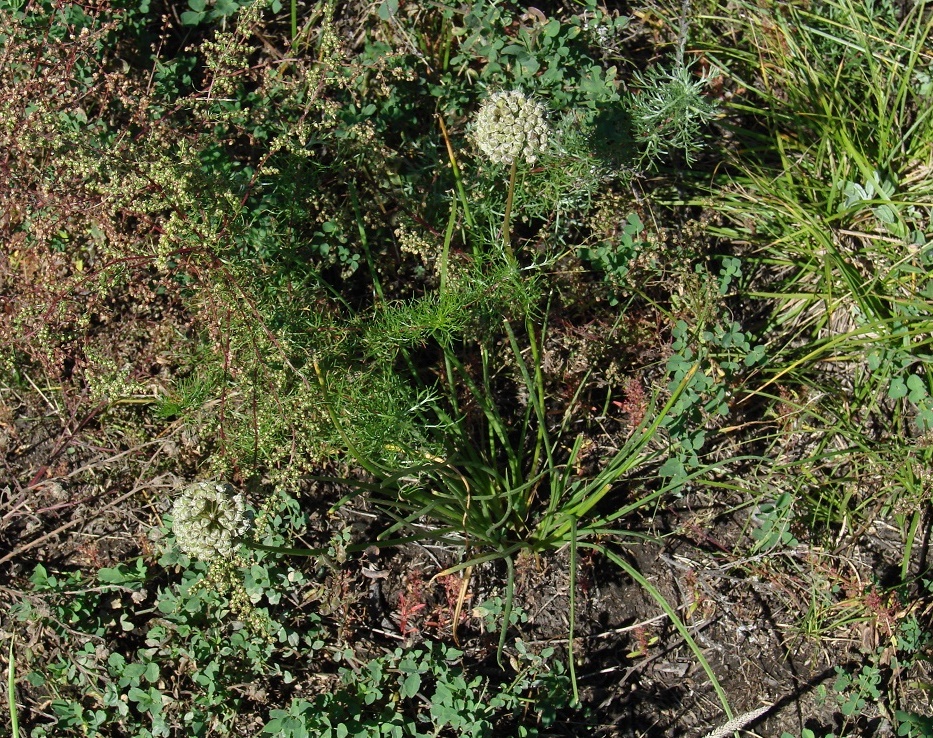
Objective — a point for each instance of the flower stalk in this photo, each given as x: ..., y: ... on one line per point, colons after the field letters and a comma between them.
x: 508, y: 127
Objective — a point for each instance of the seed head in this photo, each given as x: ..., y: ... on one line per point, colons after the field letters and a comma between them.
x: 510, y: 125
x: 208, y: 517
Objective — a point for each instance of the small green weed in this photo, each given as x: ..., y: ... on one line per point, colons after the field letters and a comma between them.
x: 706, y: 361
x: 857, y: 689
x: 422, y: 691
x: 912, y: 725
x: 181, y: 642
x: 773, y: 521
x: 613, y: 258
x: 550, y: 55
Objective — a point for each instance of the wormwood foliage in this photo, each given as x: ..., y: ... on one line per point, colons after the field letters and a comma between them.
x: 669, y: 111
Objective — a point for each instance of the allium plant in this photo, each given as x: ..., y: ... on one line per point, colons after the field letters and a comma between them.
x: 511, y: 125
x: 208, y: 518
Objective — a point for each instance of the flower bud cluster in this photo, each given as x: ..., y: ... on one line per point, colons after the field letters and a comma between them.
x: 208, y: 517
x: 510, y: 125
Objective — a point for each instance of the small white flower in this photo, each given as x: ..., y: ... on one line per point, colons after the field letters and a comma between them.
x: 510, y: 125
x: 208, y: 517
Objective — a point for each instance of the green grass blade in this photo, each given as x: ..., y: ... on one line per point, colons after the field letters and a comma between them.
x: 448, y: 237
x: 458, y: 179
x: 672, y: 614
x: 535, y: 387
x: 507, y: 609
x: 632, y: 454
x: 909, y: 544
x: 571, y: 660
x: 11, y: 691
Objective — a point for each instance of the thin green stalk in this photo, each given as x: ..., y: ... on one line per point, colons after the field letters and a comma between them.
x: 628, y: 457
x: 294, y: 23
x: 448, y: 236
x: 682, y: 34
x: 447, y: 30
x: 571, y: 660
x: 497, y: 427
x: 377, y: 285
x: 507, y: 610
x: 535, y: 389
x: 543, y: 442
x: 458, y: 180
x: 560, y: 485
x: 11, y: 691
x: 909, y: 544
x: 451, y: 383
x: 506, y: 219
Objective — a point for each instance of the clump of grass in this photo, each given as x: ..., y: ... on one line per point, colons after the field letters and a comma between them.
x: 831, y: 199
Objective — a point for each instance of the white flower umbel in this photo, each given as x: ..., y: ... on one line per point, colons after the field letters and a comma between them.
x: 208, y: 517
x: 511, y: 125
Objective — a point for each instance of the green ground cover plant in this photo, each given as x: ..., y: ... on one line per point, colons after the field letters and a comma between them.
x: 365, y: 367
